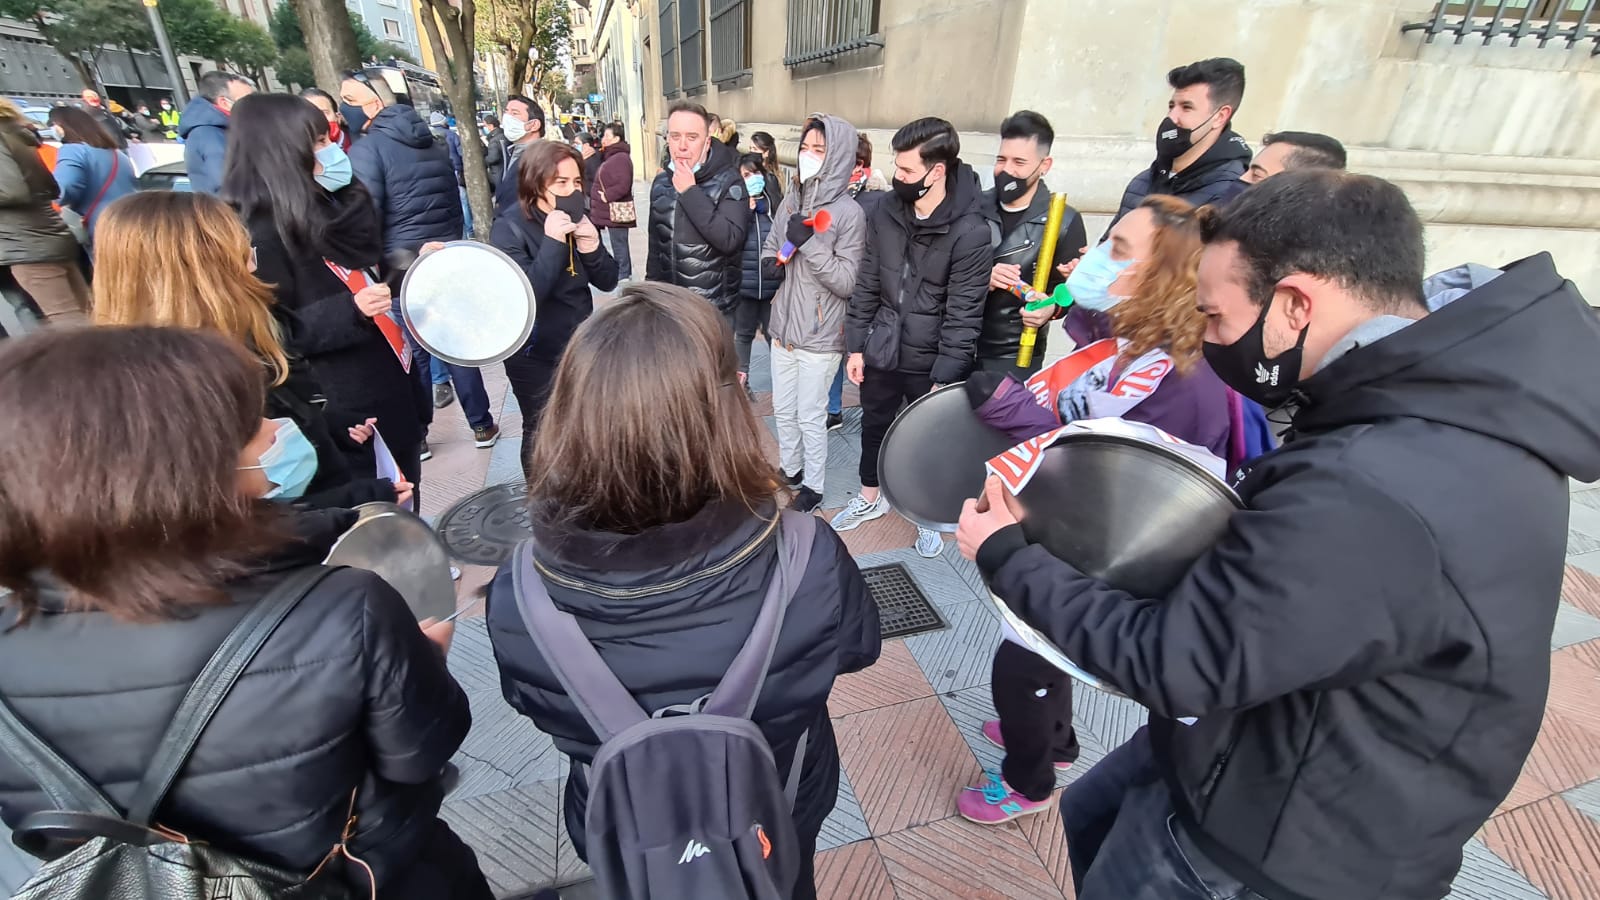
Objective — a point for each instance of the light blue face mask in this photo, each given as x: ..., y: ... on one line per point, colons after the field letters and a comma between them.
x: 290, y: 463
x: 755, y: 184
x: 336, y: 172
x: 1090, y: 282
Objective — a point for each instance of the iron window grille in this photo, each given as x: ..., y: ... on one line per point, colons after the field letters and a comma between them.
x: 1571, y: 21
x: 692, y: 44
x: 730, y: 40
x: 669, y: 48
x: 826, y: 29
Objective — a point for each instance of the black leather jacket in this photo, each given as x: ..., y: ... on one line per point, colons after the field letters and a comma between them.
x: 1002, y: 312
x: 697, y: 237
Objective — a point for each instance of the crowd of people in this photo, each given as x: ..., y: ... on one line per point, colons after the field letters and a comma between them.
x: 1340, y: 692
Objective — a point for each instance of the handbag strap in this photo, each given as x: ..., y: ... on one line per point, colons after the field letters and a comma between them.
x: 115, y: 165
x: 60, y: 780
x: 214, y: 683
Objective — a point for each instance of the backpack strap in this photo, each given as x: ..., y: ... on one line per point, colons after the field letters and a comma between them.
x: 601, y: 699
x: 736, y: 694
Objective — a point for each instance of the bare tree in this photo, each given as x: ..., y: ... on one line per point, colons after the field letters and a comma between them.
x: 449, y: 25
x: 330, y: 40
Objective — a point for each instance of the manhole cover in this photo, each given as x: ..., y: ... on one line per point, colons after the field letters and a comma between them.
x: 902, y: 608
x: 484, y: 528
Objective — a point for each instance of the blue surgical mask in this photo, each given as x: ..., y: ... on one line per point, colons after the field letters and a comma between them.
x: 336, y: 172
x: 755, y: 184
x: 1090, y: 282
x: 290, y: 463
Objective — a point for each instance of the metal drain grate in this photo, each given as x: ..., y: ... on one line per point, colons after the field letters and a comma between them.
x: 903, y: 610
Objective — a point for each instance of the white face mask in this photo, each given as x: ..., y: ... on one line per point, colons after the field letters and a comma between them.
x: 515, y: 129
x: 809, y: 165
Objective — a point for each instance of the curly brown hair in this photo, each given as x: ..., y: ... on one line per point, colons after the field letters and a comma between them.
x: 1162, y: 312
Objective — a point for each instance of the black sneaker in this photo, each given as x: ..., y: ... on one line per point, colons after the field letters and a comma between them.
x: 443, y: 395
x: 805, y: 500
x: 835, y: 421
x: 795, y: 479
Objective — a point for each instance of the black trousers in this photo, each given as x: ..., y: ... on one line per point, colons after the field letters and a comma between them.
x: 1034, y: 700
x: 530, y: 379
x: 747, y: 316
x: 883, y: 394
x: 446, y: 869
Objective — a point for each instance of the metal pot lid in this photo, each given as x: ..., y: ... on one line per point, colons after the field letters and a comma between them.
x: 468, y: 303
x: 401, y: 549
x: 933, y: 456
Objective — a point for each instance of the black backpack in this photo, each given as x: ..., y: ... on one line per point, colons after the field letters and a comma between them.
x: 686, y: 802
x: 94, y: 851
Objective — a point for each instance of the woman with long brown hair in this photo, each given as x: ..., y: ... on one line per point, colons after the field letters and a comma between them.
x: 183, y: 259
x: 133, y: 542
x: 90, y: 168
x: 1139, y: 335
x: 654, y: 512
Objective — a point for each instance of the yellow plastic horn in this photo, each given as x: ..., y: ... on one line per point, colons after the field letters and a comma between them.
x: 1042, y: 270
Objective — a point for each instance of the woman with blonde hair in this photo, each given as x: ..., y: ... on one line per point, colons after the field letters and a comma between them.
x: 185, y: 260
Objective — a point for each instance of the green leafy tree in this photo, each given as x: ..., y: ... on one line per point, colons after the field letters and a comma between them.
x: 294, y: 67
x: 84, y: 28
x: 512, y: 27
x: 294, y: 63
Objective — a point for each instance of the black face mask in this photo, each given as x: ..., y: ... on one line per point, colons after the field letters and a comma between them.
x: 913, y: 191
x: 1172, y: 141
x: 355, y: 118
x: 572, y: 205
x: 1244, y: 366
x: 1008, y: 188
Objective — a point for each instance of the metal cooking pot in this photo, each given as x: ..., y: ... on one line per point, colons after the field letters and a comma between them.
x: 468, y: 303
x: 401, y: 548
x: 933, y: 455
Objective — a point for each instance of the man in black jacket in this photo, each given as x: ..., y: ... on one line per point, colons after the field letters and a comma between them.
x: 523, y: 124
x: 1018, y: 209
x: 699, y: 213
x: 1199, y: 158
x: 1344, y: 688
x: 914, y: 318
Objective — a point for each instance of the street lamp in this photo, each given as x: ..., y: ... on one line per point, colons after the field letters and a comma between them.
x: 174, y: 74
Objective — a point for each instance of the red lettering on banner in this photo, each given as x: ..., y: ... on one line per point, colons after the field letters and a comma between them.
x: 1142, y: 382
x: 1016, y: 466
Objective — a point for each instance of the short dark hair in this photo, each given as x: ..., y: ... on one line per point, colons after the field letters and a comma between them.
x: 537, y: 169
x: 934, y: 139
x: 78, y: 127
x: 1223, y: 78
x: 1356, y: 230
x: 1311, y: 150
x: 616, y: 130
x: 215, y: 83
x: 689, y: 106
x: 1029, y: 124
x: 492, y: 120
x: 535, y: 111
x: 813, y: 124
x: 588, y: 140
x: 863, y: 150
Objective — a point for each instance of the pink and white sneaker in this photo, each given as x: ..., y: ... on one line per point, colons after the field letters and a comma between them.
x: 991, y: 802
x: 991, y: 730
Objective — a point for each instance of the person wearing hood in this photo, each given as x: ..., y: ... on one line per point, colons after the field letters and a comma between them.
x: 699, y: 212
x: 204, y: 128
x: 413, y: 185
x: 1348, y: 684
x: 613, y: 184
x: 1199, y: 158
x: 807, y: 324
x: 917, y: 308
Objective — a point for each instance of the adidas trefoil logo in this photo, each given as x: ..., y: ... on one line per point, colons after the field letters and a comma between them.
x: 692, y: 852
x: 1265, y: 376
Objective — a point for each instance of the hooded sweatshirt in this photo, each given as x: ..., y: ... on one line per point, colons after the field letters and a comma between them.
x: 808, y: 310
x: 1213, y: 178
x: 1366, y: 651
x: 411, y: 180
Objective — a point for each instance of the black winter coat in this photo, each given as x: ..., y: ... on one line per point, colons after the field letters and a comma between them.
x: 697, y: 237
x: 336, y: 484
x: 759, y: 283
x: 674, y: 643
x: 412, y: 182
x: 1366, y: 649
x: 1002, y: 312
x: 918, y: 303
x: 347, y: 695
x: 1213, y: 178
x: 564, y: 299
x: 494, y: 157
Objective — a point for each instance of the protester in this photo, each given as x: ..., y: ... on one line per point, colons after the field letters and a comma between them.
x: 137, y: 560
x: 1139, y: 359
x: 589, y: 146
x: 1018, y: 207
x: 329, y: 108
x: 917, y: 308
x: 869, y: 189
x: 726, y: 131
x: 206, y: 280
x: 204, y: 128
x: 495, y: 150
x: 1199, y: 158
x: 524, y: 126
x: 413, y: 185
x: 1361, y: 594
x: 90, y: 170
x: 150, y: 129
x: 96, y: 109
x: 37, y: 246
x: 1285, y: 151
x: 559, y: 248
x: 652, y: 526
x: 807, y: 327
x: 761, y: 142
x: 316, y: 234
x: 611, y: 203
x: 169, y: 120
x: 444, y: 133
x: 698, y: 212
x: 760, y: 281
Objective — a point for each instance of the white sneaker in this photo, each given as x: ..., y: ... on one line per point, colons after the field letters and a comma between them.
x: 859, y: 510
x: 929, y: 543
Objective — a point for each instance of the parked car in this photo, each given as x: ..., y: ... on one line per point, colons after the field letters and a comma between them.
x: 40, y: 116
x: 172, y: 176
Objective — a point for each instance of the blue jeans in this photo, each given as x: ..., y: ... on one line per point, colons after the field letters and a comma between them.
x: 468, y: 381
x: 836, y: 393
x: 466, y: 214
x: 437, y: 371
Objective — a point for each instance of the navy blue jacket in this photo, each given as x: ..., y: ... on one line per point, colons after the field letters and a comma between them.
x: 410, y: 178
x: 758, y: 284
x: 204, y: 130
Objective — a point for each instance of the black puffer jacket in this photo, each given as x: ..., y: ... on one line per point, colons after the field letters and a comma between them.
x: 563, y: 297
x: 758, y: 284
x: 674, y: 644
x: 918, y: 303
x: 697, y: 237
x: 346, y: 695
x: 1002, y: 312
x: 411, y: 180
x: 1213, y: 178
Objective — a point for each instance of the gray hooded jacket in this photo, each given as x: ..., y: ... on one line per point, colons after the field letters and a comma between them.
x: 808, y: 311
